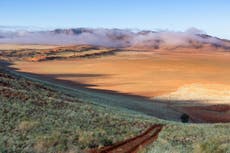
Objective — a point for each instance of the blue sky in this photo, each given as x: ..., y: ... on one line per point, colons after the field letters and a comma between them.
x: 212, y: 16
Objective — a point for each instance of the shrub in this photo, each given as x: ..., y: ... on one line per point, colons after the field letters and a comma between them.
x: 106, y: 142
x: 184, y: 118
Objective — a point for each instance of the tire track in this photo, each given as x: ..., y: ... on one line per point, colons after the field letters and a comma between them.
x: 132, y: 145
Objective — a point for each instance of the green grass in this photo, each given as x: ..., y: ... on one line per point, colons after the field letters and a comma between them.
x: 186, y: 138
x: 39, y: 119
x: 36, y: 117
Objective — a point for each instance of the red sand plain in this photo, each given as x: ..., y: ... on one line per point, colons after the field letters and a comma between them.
x: 151, y: 74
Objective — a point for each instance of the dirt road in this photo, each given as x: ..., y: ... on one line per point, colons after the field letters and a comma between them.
x: 132, y: 145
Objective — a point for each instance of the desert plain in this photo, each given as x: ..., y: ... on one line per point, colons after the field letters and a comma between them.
x: 193, y: 82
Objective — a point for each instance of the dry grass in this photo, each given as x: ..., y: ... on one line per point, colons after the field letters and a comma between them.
x: 27, y: 125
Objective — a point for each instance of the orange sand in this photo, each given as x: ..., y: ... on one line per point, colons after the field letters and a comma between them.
x: 145, y: 74
x: 20, y: 46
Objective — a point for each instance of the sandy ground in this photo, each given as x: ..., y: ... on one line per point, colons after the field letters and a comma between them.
x: 190, y: 83
x: 150, y: 75
x: 20, y: 46
x: 205, y: 93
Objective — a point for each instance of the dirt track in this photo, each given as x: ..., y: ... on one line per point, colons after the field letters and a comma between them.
x: 132, y: 145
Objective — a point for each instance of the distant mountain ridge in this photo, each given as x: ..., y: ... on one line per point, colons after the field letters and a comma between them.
x: 118, y: 38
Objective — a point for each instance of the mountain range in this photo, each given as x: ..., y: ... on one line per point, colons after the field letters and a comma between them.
x: 117, y: 38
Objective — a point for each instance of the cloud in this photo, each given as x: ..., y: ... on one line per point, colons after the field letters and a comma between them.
x: 107, y: 37
x: 195, y: 31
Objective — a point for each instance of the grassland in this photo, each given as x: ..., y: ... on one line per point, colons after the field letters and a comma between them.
x: 44, y: 116
x: 36, y: 117
x: 36, y: 53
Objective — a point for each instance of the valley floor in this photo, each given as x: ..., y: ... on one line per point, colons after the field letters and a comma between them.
x: 175, y: 83
x: 76, y: 104
x: 42, y: 117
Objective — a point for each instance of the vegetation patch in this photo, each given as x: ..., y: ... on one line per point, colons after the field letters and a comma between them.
x: 39, y: 118
x: 51, y: 121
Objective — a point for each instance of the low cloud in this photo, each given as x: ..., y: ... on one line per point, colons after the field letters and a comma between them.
x: 108, y: 37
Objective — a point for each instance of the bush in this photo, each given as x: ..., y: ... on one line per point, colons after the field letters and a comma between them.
x: 106, y: 142
x: 184, y: 118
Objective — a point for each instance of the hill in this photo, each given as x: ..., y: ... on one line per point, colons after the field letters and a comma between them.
x: 42, y: 117
x: 100, y: 90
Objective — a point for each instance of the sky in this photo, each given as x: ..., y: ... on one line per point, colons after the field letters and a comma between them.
x: 212, y: 16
